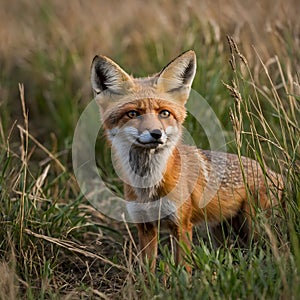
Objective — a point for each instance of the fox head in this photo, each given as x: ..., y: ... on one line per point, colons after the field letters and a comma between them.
x: 143, y: 112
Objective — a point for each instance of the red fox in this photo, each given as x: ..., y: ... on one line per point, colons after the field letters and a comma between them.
x: 143, y: 118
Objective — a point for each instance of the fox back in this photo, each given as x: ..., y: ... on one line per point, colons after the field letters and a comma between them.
x: 166, y: 183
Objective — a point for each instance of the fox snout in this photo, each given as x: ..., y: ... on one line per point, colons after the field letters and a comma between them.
x: 152, y: 138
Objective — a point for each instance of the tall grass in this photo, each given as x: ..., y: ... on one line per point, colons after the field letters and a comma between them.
x: 53, y: 243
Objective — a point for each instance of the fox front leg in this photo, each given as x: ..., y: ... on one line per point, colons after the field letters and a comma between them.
x: 183, y: 246
x: 148, y: 243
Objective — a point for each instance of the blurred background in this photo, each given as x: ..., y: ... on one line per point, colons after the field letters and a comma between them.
x: 49, y: 45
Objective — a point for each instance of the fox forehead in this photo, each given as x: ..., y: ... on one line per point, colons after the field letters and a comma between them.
x: 144, y: 106
x: 150, y: 105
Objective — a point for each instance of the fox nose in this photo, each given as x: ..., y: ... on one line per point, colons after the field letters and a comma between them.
x: 156, y: 134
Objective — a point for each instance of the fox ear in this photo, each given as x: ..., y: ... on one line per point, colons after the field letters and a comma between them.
x: 178, y: 75
x: 107, y: 75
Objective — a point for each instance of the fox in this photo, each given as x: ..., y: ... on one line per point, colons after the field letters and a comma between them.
x: 169, y: 185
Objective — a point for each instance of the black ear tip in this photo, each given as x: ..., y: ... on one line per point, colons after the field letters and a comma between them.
x: 95, y: 58
x: 189, y: 53
x: 99, y: 59
x: 94, y: 61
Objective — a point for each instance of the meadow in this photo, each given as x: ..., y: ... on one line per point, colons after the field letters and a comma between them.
x: 53, y: 243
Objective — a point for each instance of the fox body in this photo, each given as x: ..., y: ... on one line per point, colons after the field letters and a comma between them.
x: 168, y: 184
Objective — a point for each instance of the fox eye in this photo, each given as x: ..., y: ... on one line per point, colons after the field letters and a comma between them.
x: 132, y: 114
x: 164, y: 114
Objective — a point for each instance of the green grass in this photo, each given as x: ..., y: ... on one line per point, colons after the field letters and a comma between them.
x: 53, y: 243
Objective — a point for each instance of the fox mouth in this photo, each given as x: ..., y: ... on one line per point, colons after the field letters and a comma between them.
x: 151, y: 144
